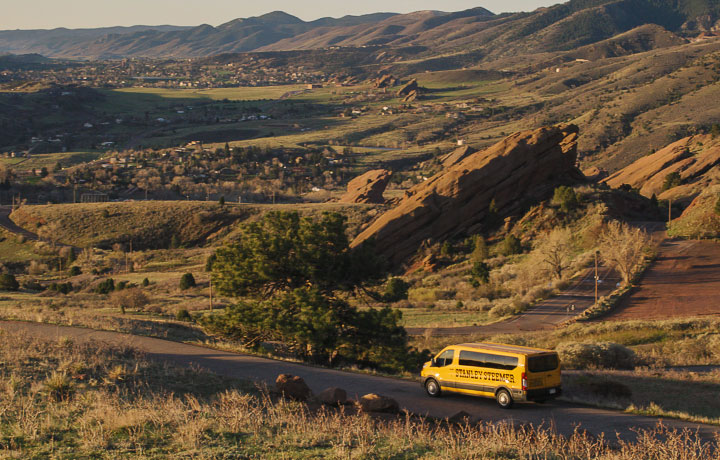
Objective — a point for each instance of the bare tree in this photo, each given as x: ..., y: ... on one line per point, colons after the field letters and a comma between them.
x: 622, y: 247
x: 554, y: 251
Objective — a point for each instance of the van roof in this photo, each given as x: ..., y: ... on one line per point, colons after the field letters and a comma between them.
x: 518, y: 349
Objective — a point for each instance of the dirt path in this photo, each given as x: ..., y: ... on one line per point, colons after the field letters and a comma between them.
x: 545, y: 315
x: 684, y: 281
x: 564, y: 417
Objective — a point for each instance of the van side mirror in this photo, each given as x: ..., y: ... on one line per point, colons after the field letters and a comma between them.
x: 433, y: 362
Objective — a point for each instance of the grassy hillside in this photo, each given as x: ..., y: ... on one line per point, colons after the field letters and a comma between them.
x: 152, y: 224
x: 701, y: 219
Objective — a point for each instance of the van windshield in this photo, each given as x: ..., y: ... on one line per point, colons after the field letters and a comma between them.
x: 543, y: 363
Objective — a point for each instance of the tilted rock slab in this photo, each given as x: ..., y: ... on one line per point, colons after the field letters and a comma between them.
x: 696, y: 159
x: 368, y: 188
x: 523, y: 167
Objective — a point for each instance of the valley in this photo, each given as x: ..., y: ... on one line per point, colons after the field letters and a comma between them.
x: 204, y: 210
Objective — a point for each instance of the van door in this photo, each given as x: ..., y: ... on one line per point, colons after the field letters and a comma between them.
x: 442, y: 369
x: 479, y: 372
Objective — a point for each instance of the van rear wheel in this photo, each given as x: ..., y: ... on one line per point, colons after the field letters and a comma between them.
x: 504, y: 399
x: 432, y: 387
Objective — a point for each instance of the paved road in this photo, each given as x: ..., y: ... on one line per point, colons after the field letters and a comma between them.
x: 564, y: 417
x: 11, y: 227
x: 545, y: 315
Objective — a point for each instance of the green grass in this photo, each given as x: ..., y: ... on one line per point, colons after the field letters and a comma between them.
x: 12, y: 250
x: 431, y: 317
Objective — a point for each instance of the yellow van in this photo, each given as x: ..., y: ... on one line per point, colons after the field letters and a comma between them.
x: 507, y: 373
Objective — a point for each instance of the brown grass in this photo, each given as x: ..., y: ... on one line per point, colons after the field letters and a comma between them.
x: 127, y: 407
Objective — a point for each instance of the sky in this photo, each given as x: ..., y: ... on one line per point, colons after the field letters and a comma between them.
x: 48, y: 14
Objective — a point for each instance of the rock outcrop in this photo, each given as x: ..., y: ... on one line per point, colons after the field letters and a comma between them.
x: 377, y: 403
x: 695, y: 159
x: 455, y: 202
x: 367, y: 188
x: 700, y: 220
x: 457, y: 155
x: 408, y: 88
x: 385, y: 81
x: 293, y: 387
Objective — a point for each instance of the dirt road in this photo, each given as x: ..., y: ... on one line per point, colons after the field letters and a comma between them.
x: 684, y: 281
x: 545, y: 315
x: 564, y: 417
x: 10, y: 226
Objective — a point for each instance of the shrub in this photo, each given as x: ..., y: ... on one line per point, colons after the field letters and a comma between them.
x: 33, y: 285
x: 511, y: 245
x: 396, y: 290
x: 145, y: 282
x: 671, y: 180
x: 566, y: 198
x: 183, y: 315
x: 62, y: 288
x: 604, y: 355
x: 132, y: 298
x: 59, y: 387
x: 106, y: 287
x: 480, y: 272
x: 8, y: 282
x: 187, y: 281
x: 75, y: 271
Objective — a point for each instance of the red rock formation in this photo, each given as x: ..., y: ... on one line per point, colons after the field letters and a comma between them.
x: 696, y: 159
x: 523, y: 167
x: 367, y: 188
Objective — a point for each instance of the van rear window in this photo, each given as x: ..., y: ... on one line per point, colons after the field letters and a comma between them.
x: 543, y: 363
x: 477, y: 359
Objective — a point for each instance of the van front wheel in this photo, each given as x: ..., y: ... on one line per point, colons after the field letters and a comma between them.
x: 432, y: 388
x: 504, y: 399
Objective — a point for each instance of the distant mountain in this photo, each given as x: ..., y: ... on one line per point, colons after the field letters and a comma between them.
x: 561, y: 27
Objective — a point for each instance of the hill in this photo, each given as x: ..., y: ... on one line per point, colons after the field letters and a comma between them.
x: 560, y: 27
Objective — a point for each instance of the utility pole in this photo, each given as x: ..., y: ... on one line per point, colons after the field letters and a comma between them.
x: 211, y: 294
x: 596, y: 276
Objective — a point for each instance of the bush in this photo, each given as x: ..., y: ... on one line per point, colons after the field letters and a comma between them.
x: 602, y: 355
x: 8, y: 282
x: 145, y: 282
x: 480, y: 272
x: 566, y: 198
x: 132, y: 298
x: 62, y: 288
x: 75, y: 271
x: 33, y: 285
x: 671, y: 180
x: 183, y: 315
x: 106, y: 287
x: 511, y: 245
x: 396, y: 290
x: 187, y: 281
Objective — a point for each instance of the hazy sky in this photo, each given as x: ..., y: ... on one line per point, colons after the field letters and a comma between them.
x: 46, y: 14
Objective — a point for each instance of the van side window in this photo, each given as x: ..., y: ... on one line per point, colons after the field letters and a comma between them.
x: 445, y: 358
x: 544, y: 363
x: 477, y: 359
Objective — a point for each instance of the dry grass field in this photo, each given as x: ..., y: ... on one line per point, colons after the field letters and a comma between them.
x: 64, y: 400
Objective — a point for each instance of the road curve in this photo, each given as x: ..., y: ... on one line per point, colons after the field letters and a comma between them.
x: 545, y: 315
x: 12, y: 227
x: 564, y: 417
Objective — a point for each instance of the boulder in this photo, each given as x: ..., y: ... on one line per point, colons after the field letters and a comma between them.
x: 412, y: 96
x: 367, y: 188
x: 595, y: 174
x: 408, y: 88
x: 293, y: 387
x: 333, y: 396
x: 522, y: 168
x: 377, y: 403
